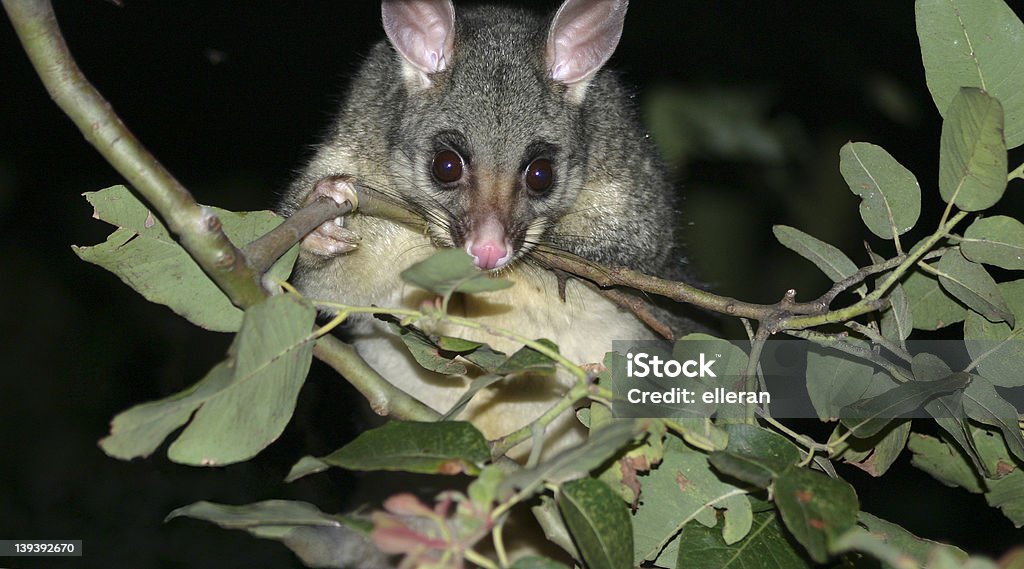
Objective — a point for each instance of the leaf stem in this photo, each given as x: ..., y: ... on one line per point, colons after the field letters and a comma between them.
x: 881, y: 340
x: 501, y: 446
x: 841, y: 342
x: 693, y: 515
x: 804, y: 440
x: 480, y: 560
x: 1018, y: 172
x: 498, y: 539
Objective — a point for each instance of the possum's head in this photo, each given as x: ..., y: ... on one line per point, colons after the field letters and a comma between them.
x: 492, y: 145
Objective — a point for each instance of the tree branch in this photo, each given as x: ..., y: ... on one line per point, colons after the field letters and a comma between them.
x: 385, y: 399
x: 265, y: 251
x: 196, y: 226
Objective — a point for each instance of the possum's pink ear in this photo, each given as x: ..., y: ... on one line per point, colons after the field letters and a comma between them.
x: 423, y: 31
x: 583, y: 36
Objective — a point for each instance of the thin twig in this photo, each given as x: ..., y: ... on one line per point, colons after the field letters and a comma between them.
x: 640, y: 309
x: 506, y: 443
x: 841, y: 342
x: 804, y: 440
x: 859, y: 277
x: 678, y: 291
x: 881, y: 340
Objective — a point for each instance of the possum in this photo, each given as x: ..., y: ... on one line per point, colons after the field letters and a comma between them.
x: 500, y: 129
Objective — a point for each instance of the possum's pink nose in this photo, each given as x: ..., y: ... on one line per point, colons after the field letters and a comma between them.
x: 488, y: 245
x: 488, y: 255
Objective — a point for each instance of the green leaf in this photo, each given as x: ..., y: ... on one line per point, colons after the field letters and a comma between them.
x: 874, y: 454
x: 480, y: 354
x: 486, y: 358
x: 929, y: 367
x: 997, y: 349
x: 948, y: 410
x: 578, y: 461
x: 533, y: 562
x: 306, y: 466
x: 891, y: 557
x: 684, y: 487
x: 983, y: 404
x: 243, y: 403
x: 815, y: 508
x: 426, y: 352
x: 529, y: 360
x: 477, y: 385
x: 897, y: 320
x: 1003, y: 490
x: 1007, y: 494
x: 976, y: 43
x: 767, y: 547
x: 835, y: 380
x: 867, y: 417
x: 450, y: 447
x: 890, y: 194
x: 142, y: 253
x: 484, y: 490
x: 553, y: 525
x: 972, y: 285
x: 943, y: 462
x: 755, y: 455
x: 458, y: 345
x: 996, y: 240
x: 449, y: 271
x: 905, y: 542
x: 599, y: 523
x: 702, y: 433
x: 972, y: 154
x: 930, y: 305
x: 833, y: 262
x: 314, y: 536
x: 138, y: 431
x: 730, y: 365
x: 271, y: 357
x: 270, y: 513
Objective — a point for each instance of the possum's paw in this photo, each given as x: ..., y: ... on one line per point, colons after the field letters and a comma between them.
x: 332, y: 238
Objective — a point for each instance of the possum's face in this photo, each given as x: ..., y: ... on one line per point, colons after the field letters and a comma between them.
x: 491, y: 148
x: 492, y: 175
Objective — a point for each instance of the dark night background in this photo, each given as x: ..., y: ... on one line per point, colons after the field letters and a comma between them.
x: 229, y: 95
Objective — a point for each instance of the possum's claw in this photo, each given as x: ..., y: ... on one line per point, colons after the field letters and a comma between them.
x: 332, y: 238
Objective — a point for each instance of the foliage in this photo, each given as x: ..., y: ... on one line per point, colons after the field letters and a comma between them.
x: 694, y: 492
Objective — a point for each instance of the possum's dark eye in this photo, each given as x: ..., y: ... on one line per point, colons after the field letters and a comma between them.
x: 540, y: 175
x: 447, y: 167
